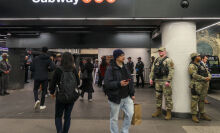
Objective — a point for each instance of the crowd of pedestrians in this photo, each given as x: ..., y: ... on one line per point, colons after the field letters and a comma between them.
x: 58, y: 77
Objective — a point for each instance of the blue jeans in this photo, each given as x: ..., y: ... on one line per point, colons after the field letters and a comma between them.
x: 127, y: 105
x: 60, y: 109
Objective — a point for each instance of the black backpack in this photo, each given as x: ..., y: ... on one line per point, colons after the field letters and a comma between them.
x: 160, y: 70
x: 67, y: 90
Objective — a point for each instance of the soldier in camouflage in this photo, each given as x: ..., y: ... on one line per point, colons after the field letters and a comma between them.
x: 162, y: 73
x: 5, y: 69
x: 199, y: 82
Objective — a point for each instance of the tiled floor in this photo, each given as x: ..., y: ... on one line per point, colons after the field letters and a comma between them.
x: 17, y: 115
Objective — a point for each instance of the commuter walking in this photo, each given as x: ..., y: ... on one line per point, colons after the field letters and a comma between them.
x: 96, y: 71
x: 87, y: 83
x: 162, y: 71
x: 204, y: 60
x: 130, y: 65
x: 26, y: 68
x: 5, y: 69
x: 58, y: 59
x: 120, y: 91
x: 40, y: 67
x: 199, y: 83
x: 67, y: 70
x: 140, y: 70
x: 50, y: 75
x: 102, y: 69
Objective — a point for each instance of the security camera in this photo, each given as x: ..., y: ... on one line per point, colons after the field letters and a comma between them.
x: 184, y: 3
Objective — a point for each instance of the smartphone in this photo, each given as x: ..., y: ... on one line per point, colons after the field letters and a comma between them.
x: 127, y: 80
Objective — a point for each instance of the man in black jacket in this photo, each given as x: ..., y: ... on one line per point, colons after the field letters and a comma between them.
x: 139, y: 70
x: 130, y: 65
x: 120, y: 91
x: 40, y: 67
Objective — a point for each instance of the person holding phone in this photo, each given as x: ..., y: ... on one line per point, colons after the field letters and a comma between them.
x: 120, y: 91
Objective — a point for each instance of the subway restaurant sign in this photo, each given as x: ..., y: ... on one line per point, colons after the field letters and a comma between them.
x: 74, y: 2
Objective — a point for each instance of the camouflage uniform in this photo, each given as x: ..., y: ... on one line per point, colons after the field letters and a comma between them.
x: 160, y: 84
x: 198, y: 85
x: 4, y: 78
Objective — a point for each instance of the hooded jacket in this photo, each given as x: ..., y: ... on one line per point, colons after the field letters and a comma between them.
x: 41, y: 65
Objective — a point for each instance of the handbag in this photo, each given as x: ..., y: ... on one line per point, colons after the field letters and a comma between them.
x: 137, y: 117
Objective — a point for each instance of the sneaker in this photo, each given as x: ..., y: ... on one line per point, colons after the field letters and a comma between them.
x: 46, y: 96
x: 81, y: 99
x: 37, y: 104
x: 43, y: 107
x: 6, y: 93
x: 90, y: 100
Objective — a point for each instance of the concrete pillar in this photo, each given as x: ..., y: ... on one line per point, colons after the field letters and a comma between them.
x: 179, y: 38
x: 16, y: 59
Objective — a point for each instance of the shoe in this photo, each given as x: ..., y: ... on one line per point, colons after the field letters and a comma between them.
x: 81, y: 99
x: 90, y: 100
x: 204, y: 116
x: 2, y: 94
x: 26, y: 82
x: 195, y: 119
x: 43, y: 107
x: 46, y: 96
x: 169, y: 115
x: 157, y: 113
x: 37, y: 104
x: 206, y: 101
x: 6, y: 93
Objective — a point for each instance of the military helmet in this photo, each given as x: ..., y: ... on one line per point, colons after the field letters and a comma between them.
x: 162, y: 49
x: 5, y: 54
x: 194, y: 55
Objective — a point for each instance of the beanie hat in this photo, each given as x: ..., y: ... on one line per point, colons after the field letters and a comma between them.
x: 117, y: 53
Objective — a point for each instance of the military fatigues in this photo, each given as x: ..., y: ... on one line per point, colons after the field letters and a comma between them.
x: 208, y: 82
x: 160, y: 83
x: 4, y: 78
x: 198, y: 85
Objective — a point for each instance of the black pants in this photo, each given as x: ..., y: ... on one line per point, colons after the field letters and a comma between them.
x: 37, y: 84
x: 26, y: 75
x: 89, y: 94
x: 59, y: 110
x: 138, y: 78
x: 100, y: 80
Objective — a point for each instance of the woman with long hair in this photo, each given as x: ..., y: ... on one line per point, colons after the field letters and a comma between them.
x: 67, y: 65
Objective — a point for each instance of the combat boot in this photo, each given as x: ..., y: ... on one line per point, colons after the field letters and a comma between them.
x: 204, y: 116
x: 195, y: 119
x: 168, y: 116
x: 157, y: 113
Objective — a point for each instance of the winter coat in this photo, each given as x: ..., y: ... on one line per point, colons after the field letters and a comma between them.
x: 41, y: 65
x: 112, y: 85
x: 87, y: 84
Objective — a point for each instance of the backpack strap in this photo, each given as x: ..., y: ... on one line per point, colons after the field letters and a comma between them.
x: 161, y: 60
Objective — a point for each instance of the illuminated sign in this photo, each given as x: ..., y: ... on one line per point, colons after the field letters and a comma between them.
x: 74, y: 2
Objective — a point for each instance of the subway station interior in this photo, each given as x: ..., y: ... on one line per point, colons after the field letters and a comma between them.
x: 95, y: 29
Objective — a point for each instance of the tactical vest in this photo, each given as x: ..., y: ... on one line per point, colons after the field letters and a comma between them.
x: 161, y: 69
x: 201, y: 72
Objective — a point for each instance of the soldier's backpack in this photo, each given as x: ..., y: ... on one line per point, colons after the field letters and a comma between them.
x: 160, y: 70
x: 67, y: 89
